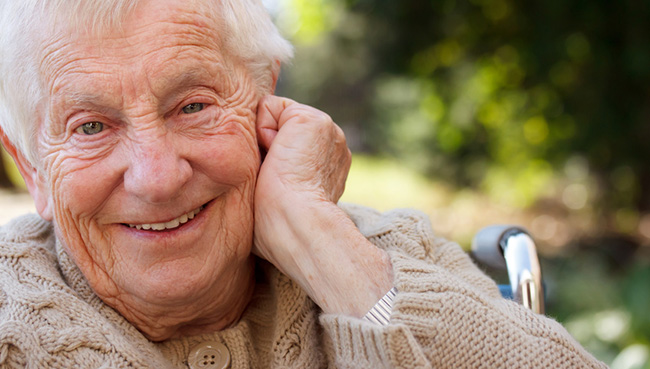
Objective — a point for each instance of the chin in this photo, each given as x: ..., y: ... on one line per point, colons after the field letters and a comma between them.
x: 174, y: 282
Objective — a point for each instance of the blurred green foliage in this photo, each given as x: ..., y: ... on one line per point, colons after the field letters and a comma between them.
x: 538, y: 106
x: 496, y: 95
x: 9, y: 175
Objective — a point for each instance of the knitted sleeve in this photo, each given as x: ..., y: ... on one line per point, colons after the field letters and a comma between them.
x: 447, y: 313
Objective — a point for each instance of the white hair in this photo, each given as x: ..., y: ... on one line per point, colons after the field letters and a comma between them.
x: 248, y: 34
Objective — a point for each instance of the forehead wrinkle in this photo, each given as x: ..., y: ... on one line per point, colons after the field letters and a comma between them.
x: 163, y: 74
x: 166, y: 22
x: 90, y: 94
x: 172, y: 56
x: 102, y: 92
x: 187, y: 31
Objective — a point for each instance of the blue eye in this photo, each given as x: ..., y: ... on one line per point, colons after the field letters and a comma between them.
x: 193, y: 108
x: 90, y: 128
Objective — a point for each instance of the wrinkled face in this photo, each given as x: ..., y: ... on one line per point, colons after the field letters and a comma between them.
x: 150, y: 154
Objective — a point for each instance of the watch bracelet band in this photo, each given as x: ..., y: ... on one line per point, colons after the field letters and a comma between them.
x: 380, y: 313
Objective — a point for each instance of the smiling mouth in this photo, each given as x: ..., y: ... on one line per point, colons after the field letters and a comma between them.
x: 174, y: 223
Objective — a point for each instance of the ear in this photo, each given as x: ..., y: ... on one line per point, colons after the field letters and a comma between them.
x: 275, y: 74
x: 35, y: 182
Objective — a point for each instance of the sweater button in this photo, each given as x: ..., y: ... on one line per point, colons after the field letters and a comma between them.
x: 209, y: 355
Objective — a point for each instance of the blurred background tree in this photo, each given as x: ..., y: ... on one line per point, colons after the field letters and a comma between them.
x: 488, y: 94
x: 4, y: 177
x: 480, y: 112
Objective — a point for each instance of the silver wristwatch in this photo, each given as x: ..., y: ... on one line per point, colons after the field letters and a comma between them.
x: 380, y: 313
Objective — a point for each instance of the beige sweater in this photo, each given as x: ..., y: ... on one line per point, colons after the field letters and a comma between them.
x: 447, y: 314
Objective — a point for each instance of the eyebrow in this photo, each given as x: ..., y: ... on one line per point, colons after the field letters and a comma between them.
x: 87, y: 100
x: 194, y: 75
x: 163, y: 87
x: 83, y: 98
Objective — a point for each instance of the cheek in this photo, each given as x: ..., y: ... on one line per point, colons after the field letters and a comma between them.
x: 79, y: 190
x: 79, y: 187
x: 233, y: 157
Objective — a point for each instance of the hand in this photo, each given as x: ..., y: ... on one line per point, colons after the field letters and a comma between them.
x: 306, y: 151
x: 306, y: 164
x: 298, y: 226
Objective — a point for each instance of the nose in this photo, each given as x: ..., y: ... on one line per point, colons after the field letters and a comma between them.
x: 157, y: 170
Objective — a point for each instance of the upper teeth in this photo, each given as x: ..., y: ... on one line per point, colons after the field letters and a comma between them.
x: 169, y: 225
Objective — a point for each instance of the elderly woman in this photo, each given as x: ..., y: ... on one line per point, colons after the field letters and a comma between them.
x: 188, y: 218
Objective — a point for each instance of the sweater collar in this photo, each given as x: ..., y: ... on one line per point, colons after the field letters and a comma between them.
x: 280, y: 325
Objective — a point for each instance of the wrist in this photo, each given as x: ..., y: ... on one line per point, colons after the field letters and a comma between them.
x: 339, y: 268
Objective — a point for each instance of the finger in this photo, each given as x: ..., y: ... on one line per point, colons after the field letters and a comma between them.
x: 269, y: 113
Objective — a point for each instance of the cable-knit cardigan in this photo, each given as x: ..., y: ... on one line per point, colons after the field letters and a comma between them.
x: 447, y: 314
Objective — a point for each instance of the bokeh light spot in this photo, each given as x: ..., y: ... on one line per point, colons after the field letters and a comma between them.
x: 575, y: 196
x: 536, y: 130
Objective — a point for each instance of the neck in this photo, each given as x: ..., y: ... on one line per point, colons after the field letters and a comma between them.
x: 218, y: 308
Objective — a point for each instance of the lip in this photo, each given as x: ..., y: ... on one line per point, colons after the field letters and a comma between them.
x: 174, y: 223
x: 189, y: 225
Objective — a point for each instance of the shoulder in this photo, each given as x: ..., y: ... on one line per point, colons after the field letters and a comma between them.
x: 26, y: 229
x: 24, y: 232
x: 406, y: 229
x: 28, y: 263
x: 372, y: 222
x: 409, y: 239
x: 27, y: 258
x: 29, y: 281
x: 44, y: 321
